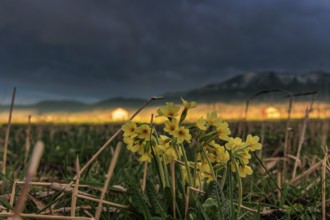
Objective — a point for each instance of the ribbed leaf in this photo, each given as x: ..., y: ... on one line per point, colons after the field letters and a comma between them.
x: 155, y: 200
x: 137, y: 199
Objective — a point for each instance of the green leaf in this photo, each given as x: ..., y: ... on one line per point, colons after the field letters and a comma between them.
x: 137, y: 199
x: 154, y: 199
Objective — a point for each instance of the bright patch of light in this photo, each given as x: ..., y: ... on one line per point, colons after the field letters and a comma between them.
x: 272, y: 113
x: 119, y: 114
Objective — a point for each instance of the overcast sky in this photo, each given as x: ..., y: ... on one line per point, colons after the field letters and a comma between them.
x: 92, y: 50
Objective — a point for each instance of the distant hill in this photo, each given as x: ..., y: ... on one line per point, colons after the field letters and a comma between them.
x: 116, y: 102
x: 235, y: 89
x: 245, y: 85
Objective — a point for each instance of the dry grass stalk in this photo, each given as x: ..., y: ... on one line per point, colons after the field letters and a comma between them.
x: 301, y: 141
x: 324, y: 177
x: 306, y: 173
x: 27, y: 139
x: 40, y: 205
x: 325, y: 128
x: 279, y: 182
x: 286, y: 140
x: 172, y: 167
x: 120, y: 206
x: 82, y: 208
x: 12, y: 195
x: 39, y: 216
x: 5, y: 146
x: 187, y: 198
x: 144, y: 180
x: 246, y: 208
x: 302, y: 134
x: 75, y: 190
x: 30, y: 173
x: 106, y: 184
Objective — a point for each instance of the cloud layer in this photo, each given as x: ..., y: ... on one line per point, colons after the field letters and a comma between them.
x: 92, y: 50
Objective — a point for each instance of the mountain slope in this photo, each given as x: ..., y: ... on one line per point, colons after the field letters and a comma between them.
x: 245, y: 85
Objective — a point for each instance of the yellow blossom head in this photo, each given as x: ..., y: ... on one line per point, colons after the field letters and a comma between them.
x: 129, y: 129
x: 171, y: 126
x: 201, y: 124
x: 188, y: 105
x: 253, y: 142
x: 144, y: 132
x: 182, y: 134
x: 223, y: 131
x: 170, y: 110
x: 212, y: 118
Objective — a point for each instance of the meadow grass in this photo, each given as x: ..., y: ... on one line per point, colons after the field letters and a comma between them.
x: 117, y: 185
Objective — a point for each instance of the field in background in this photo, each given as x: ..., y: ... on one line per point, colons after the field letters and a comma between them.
x: 257, y: 111
x: 65, y: 142
x: 274, y: 190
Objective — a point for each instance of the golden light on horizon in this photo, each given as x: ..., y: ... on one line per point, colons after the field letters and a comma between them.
x: 272, y: 113
x: 119, y: 114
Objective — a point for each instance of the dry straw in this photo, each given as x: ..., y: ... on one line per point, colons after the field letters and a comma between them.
x: 75, y: 189
x: 5, y: 146
x: 106, y: 184
x: 31, y: 172
x: 324, y: 177
x: 302, y: 136
x: 27, y: 139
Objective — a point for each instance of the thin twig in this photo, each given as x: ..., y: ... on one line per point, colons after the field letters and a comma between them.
x: 107, y: 181
x: 75, y: 189
x: 31, y: 172
x: 27, y: 139
x: 5, y: 146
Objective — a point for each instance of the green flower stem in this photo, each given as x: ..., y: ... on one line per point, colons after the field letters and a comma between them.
x: 230, y: 183
x: 240, y: 189
x: 161, y: 171
x: 223, y: 181
x: 187, y: 165
x: 216, y: 180
x: 195, y: 164
x: 167, y: 180
x: 181, y: 171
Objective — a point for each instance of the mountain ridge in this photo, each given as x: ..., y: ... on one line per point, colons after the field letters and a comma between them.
x: 235, y: 89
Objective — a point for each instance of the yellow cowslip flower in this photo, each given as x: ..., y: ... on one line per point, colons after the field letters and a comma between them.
x: 206, y: 171
x: 185, y: 173
x: 201, y: 124
x: 244, y: 170
x: 164, y: 143
x: 171, y: 126
x: 128, y: 140
x: 244, y: 156
x: 170, y: 110
x: 211, y: 157
x: 221, y: 155
x: 159, y: 149
x: 212, y: 118
x: 169, y: 153
x: 234, y: 143
x: 182, y: 134
x: 145, y: 157
x: 144, y: 132
x: 253, y: 142
x: 129, y: 129
x: 223, y: 131
x: 188, y: 105
x: 135, y: 147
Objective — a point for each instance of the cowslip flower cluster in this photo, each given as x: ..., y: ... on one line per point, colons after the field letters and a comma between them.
x: 209, y: 137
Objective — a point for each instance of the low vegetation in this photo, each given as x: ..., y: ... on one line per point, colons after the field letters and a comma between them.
x: 202, y: 169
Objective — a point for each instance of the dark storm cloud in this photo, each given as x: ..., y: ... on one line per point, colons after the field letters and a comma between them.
x: 98, y: 49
